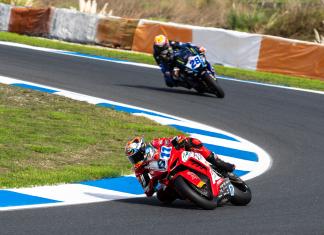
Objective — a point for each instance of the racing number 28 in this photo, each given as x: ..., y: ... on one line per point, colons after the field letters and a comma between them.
x: 194, y: 62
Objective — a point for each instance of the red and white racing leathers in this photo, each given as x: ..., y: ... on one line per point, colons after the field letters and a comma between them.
x: 153, y: 168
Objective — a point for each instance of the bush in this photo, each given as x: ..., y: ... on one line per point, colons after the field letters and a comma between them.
x: 297, y: 20
x: 244, y: 18
x: 286, y: 18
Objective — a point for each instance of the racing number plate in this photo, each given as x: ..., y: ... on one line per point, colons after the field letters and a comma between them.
x: 194, y: 62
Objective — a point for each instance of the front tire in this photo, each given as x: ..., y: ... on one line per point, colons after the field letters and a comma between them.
x: 214, y: 86
x: 242, y: 192
x: 186, y: 192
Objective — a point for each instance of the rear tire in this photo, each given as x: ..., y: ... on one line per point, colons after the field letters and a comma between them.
x: 166, y: 196
x: 186, y: 192
x: 214, y: 86
x: 200, y: 90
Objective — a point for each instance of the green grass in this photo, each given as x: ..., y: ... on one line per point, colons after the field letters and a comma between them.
x: 74, y: 47
x: 272, y: 78
x: 48, y: 139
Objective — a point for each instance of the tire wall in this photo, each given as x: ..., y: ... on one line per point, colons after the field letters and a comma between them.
x: 226, y: 47
x: 30, y: 21
x: 291, y: 57
x: 5, y: 11
x: 73, y: 26
x: 116, y: 32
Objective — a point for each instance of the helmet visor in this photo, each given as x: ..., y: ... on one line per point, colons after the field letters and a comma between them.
x: 136, y: 157
x: 166, y: 53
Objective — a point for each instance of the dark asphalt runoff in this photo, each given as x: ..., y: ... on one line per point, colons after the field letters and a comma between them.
x: 288, y: 124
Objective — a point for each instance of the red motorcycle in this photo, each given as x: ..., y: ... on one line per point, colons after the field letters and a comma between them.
x: 191, y: 176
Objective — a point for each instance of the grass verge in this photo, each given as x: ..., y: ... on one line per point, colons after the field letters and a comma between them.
x: 272, y: 78
x: 48, y: 139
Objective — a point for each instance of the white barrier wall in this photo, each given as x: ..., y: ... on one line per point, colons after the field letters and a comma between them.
x: 227, y: 47
x: 73, y: 26
x: 4, y: 16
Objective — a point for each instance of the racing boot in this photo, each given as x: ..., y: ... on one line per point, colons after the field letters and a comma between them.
x: 180, y: 79
x: 220, y: 165
x: 169, y: 80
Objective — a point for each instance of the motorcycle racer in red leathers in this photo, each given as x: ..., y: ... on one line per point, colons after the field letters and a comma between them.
x: 150, y: 162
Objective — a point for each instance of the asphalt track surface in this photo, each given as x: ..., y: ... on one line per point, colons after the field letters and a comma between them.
x: 288, y: 124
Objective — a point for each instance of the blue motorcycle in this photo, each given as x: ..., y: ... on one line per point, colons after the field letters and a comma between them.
x: 195, y: 72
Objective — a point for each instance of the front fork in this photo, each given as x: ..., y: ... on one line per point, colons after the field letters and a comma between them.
x: 226, y: 191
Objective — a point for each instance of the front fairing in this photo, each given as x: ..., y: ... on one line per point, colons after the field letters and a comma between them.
x: 189, y: 60
x: 169, y: 163
x: 182, y: 161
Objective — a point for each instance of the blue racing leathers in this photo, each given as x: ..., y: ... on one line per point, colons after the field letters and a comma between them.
x: 167, y: 65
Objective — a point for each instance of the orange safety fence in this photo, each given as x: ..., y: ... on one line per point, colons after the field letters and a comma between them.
x: 116, y: 32
x: 146, y: 31
x: 291, y: 57
x: 30, y: 21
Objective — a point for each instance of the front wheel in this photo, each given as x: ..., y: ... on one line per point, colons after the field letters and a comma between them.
x: 186, y: 192
x: 242, y: 192
x: 213, y: 85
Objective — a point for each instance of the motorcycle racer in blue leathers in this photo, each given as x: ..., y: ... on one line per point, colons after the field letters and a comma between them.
x: 164, y: 52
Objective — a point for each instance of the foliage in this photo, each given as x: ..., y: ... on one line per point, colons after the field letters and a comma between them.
x: 246, y: 20
x: 318, y: 38
x: 286, y: 18
x: 297, y: 19
x: 27, y: 3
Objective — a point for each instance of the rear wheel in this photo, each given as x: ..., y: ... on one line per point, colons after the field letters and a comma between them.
x: 187, y: 192
x: 166, y: 196
x: 213, y: 85
x: 199, y: 89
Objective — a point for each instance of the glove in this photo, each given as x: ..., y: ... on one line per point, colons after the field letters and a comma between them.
x: 139, y: 168
x: 179, y: 142
x: 202, y: 50
x: 176, y: 72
